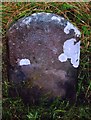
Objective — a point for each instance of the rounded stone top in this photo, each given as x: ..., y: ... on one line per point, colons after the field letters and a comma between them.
x: 45, y: 18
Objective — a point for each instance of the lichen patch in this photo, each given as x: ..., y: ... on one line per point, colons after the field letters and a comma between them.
x: 71, y: 51
x: 27, y: 20
x: 56, y: 18
x: 69, y: 26
x: 24, y: 62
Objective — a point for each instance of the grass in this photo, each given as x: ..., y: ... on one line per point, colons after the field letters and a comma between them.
x: 80, y: 15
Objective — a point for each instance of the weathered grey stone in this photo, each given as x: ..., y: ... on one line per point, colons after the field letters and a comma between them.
x: 44, y: 54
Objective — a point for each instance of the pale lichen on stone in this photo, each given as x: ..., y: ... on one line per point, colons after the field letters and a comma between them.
x: 62, y: 57
x: 27, y: 20
x: 48, y: 13
x: 56, y: 18
x: 24, y: 62
x: 71, y: 51
x: 34, y: 14
x: 69, y: 26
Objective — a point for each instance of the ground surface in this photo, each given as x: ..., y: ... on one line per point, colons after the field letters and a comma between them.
x: 80, y: 15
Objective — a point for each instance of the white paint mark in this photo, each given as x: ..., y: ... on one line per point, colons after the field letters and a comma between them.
x: 56, y: 18
x: 71, y: 51
x: 24, y: 62
x: 69, y: 27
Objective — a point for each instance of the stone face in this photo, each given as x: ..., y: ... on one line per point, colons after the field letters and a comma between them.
x: 44, y: 52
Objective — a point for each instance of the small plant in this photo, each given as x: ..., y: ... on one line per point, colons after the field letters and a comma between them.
x: 32, y: 116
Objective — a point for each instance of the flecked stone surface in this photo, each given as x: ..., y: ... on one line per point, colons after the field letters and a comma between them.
x: 35, y: 66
